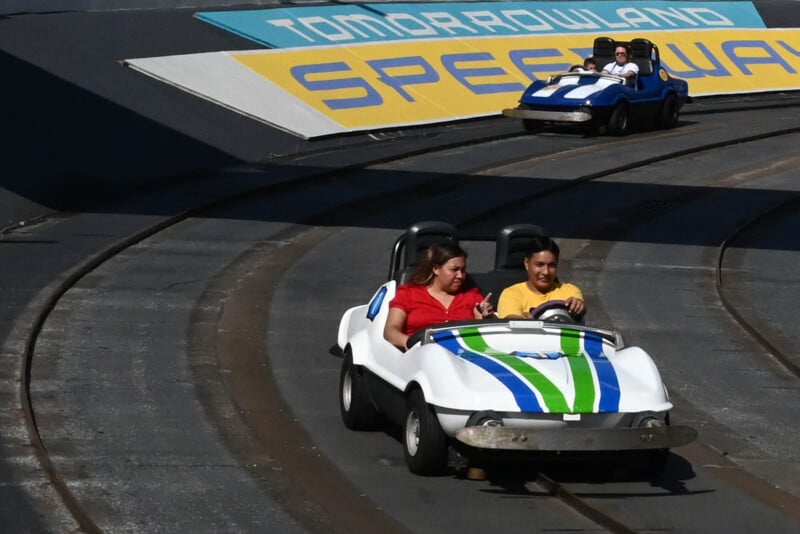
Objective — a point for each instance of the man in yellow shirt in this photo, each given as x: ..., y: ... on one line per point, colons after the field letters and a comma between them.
x: 543, y: 285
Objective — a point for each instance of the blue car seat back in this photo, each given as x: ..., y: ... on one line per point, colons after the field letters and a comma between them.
x: 411, y: 246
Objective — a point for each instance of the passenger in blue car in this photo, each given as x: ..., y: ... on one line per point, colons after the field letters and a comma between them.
x: 589, y: 65
x: 623, y: 64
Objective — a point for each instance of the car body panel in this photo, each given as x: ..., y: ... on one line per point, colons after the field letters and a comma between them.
x: 536, y: 374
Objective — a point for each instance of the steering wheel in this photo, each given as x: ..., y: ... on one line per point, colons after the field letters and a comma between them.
x: 555, y: 311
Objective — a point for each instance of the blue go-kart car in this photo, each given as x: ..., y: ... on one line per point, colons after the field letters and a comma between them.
x: 606, y: 102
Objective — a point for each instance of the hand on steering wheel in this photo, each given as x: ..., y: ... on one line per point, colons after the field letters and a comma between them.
x: 560, y: 311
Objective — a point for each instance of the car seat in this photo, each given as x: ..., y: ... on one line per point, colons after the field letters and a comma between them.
x: 410, y: 247
x: 642, y: 50
x: 603, y: 51
x: 511, y: 244
x: 509, y: 267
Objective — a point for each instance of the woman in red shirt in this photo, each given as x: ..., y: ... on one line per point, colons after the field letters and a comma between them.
x: 435, y: 294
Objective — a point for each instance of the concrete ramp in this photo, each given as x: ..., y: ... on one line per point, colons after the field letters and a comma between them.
x: 239, y: 89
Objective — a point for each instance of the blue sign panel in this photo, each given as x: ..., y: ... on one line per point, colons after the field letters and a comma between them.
x: 370, y: 23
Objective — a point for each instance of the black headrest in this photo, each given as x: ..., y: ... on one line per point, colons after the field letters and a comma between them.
x: 642, y: 50
x: 511, y: 244
x: 603, y: 51
x: 423, y: 234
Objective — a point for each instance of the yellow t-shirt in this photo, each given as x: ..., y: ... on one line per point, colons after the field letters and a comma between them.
x: 518, y: 299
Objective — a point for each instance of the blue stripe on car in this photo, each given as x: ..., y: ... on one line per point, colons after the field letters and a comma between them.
x: 606, y: 375
x: 523, y: 395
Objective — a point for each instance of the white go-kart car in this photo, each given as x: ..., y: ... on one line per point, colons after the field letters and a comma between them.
x: 547, y: 384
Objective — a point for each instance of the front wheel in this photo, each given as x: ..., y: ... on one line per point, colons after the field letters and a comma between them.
x: 424, y: 441
x: 618, y: 123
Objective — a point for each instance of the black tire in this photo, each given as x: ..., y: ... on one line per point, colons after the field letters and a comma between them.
x: 424, y: 442
x: 670, y: 110
x: 532, y: 125
x: 357, y: 411
x: 619, y: 121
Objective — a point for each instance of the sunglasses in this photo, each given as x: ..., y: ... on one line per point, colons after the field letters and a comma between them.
x: 620, y: 54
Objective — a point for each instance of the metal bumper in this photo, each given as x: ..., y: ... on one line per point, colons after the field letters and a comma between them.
x: 576, y: 439
x: 548, y: 116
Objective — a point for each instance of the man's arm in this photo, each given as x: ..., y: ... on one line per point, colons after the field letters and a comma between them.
x: 509, y: 306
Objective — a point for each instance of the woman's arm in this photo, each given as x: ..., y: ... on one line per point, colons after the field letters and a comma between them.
x: 395, y: 330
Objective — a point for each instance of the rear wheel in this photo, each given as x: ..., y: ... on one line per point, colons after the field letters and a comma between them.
x: 619, y: 121
x: 424, y: 441
x: 670, y: 110
x: 357, y: 411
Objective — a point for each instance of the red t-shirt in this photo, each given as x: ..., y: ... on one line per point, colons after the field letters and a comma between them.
x: 423, y: 310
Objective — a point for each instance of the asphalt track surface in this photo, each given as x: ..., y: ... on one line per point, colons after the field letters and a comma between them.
x: 154, y: 442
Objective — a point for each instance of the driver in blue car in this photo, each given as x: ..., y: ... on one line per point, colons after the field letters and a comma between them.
x: 541, y: 264
x: 623, y: 64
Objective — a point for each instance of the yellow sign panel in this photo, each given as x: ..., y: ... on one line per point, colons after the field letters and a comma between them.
x: 417, y: 82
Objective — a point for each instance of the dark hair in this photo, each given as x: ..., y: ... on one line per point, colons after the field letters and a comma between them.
x: 589, y: 61
x: 627, y: 48
x: 437, y: 255
x: 539, y: 244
